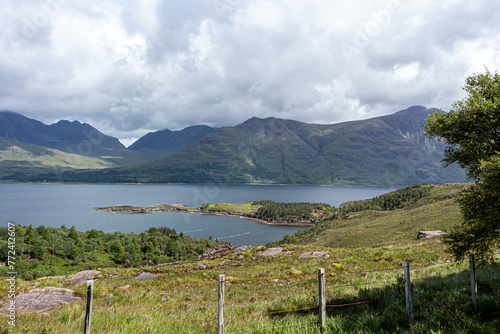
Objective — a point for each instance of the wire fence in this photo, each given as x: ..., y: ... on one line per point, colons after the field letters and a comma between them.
x: 235, y: 311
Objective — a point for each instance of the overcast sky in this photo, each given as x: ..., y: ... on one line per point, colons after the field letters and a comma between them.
x: 129, y: 67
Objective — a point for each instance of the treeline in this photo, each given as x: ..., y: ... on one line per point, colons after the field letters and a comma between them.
x: 48, y: 251
x: 394, y: 200
x: 182, y: 173
x: 294, y: 212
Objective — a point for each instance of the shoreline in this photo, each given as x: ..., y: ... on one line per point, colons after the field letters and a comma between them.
x: 126, y: 209
x: 206, y: 184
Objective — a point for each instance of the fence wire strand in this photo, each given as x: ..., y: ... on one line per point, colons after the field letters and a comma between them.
x: 270, y: 295
x: 280, y: 326
x: 122, y: 289
x: 267, y: 313
x: 151, y: 306
x: 350, y: 304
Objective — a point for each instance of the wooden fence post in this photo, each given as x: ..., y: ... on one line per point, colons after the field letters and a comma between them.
x: 409, y: 305
x: 322, y: 299
x: 220, y: 316
x: 88, y: 307
x: 473, y: 281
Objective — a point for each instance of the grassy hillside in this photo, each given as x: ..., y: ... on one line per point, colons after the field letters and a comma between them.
x: 19, y: 157
x: 435, y: 210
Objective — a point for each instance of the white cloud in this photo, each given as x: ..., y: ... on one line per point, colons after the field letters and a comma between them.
x: 135, y: 66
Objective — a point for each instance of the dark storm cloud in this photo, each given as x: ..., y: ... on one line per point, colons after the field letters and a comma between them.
x: 128, y: 67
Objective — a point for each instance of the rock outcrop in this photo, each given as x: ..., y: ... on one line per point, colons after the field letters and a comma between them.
x: 83, y: 276
x: 215, y: 253
x: 429, y: 234
x: 42, y: 299
x: 271, y: 252
x: 314, y: 254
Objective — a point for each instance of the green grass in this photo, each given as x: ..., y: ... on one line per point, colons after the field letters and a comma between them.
x: 440, y: 296
x: 241, y: 208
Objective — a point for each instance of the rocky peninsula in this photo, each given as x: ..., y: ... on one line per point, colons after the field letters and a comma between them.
x: 246, y: 211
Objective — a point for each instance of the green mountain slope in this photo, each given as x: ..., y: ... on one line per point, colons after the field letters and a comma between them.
x: 164, y: 143
x: 389, y: 150
x: 71, y: 137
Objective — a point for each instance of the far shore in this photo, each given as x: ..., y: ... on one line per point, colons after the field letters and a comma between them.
x: 348, y: 185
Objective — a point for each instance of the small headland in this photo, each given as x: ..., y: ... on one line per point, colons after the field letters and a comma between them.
x: 266, y: 212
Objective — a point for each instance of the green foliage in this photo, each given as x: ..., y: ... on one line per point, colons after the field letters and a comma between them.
x: 480, y: 206
x: 472, y: 131
x: 294, y: 212
x: 471, y: 128
x: 37, y: 251
x: 92, y: 234
x: 4, y: 252
x: 150, y: 248
x: 67, y: 250
x: 173, y: 249
x: 118, y: 252
x: 30, y: 236
x: 73, y: 252
x: 72, y: 233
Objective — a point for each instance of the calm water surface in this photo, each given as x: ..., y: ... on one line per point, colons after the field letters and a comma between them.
x: 56, y: 205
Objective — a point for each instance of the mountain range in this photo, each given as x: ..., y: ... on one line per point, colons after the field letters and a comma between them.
x: 388, y: 150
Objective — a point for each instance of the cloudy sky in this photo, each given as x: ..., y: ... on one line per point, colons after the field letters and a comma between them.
x: 129, y: 67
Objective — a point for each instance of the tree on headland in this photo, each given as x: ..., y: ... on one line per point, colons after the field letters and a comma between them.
x: 471, y: 131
